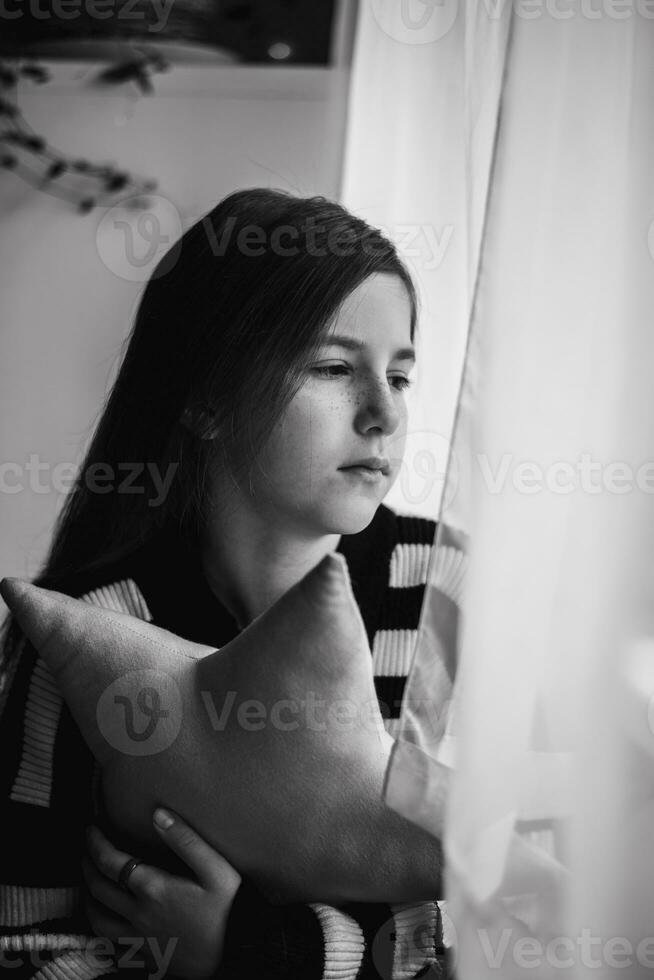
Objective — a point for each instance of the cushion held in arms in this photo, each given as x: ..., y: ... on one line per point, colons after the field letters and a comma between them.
x: 272, y: 747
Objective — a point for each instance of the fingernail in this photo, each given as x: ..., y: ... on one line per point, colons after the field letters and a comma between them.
x: 162, y: 818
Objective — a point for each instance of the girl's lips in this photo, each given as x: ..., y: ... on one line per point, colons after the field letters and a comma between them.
x: 364, y: 473
x: 381, y: 463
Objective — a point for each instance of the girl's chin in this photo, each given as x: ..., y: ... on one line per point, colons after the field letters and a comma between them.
x: 350, y: 517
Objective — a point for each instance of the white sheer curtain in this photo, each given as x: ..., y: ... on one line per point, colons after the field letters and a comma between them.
x: 540, y: 773
x: 404, y: 170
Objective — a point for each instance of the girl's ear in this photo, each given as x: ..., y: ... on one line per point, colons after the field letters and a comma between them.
x: 201, y: 422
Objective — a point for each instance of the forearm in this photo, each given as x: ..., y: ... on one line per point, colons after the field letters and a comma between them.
x: 359, y: 941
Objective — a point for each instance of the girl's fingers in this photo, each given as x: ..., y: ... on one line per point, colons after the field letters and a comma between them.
x: 107, y: 892
x: 110, y: 862
x: 210, y: 867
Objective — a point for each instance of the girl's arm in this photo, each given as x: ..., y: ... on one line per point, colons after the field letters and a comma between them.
x: 211, y: 928
x: 320, y: 942
x: 46, y: 777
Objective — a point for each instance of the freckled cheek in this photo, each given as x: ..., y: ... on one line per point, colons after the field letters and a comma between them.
x: 316, y: 437
x: 323, y: 412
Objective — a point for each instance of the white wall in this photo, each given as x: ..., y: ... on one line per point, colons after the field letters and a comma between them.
x: 66, y: 292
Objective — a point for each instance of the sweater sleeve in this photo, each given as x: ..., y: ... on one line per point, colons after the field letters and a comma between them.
x: 47, y: 779
x: 360, y: 941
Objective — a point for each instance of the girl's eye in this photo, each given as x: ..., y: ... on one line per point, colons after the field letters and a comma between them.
x: 397, y: 381
x: 331, y: 370
x: 400, y: 382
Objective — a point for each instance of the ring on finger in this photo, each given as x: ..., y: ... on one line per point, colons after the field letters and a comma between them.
x: 126, y: 871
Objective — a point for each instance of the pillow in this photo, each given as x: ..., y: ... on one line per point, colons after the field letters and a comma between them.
x: 272, y: 747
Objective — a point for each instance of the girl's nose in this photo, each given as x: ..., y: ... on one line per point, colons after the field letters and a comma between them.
x: 378, y: 409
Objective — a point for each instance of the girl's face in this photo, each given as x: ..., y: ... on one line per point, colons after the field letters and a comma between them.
x: 350, y: 410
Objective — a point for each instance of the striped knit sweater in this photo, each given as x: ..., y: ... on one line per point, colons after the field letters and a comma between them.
x: 49, y: 783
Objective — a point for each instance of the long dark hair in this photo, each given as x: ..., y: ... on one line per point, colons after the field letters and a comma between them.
x: 226, y: 325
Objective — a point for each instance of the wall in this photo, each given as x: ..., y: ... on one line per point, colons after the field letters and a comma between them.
x: 67, y: 289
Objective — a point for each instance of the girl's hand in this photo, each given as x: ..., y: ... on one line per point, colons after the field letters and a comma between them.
x: 181, y: 920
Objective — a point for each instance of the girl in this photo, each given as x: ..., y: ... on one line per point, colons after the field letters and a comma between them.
x: 262, y: 395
